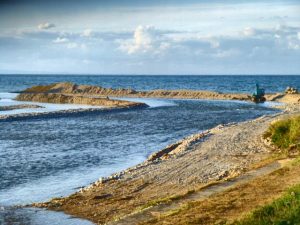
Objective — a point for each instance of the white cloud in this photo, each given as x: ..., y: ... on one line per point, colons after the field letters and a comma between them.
x: 69, y: 44
x: 293, y: 44
x: 87, y: 33
x: 298, y: 35
x: 214, y: 43
x: 143, y: 39
x: 146, y: 39
x: 277, y: 36
x: 249, y: 31
x: 226, y: 53
x: 46, y: 26
x: 61, y: 40
x: 73, y: 45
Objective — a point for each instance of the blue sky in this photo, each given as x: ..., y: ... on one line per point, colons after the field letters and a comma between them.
x: 150, y: 37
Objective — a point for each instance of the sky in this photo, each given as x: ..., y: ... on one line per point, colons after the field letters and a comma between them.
x: 150, y: 37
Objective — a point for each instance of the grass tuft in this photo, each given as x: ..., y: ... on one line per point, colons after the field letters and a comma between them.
x: 285, y: 134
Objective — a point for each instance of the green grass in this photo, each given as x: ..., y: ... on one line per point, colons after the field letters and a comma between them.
x: 285, y: 210
x: 285, y: 134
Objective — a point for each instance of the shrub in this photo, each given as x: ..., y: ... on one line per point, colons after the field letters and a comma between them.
x: 285, y: 134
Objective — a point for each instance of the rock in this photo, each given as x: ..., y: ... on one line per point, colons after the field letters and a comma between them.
x: 291, y: 90
x: 223, y: 175
x: 177, y: 148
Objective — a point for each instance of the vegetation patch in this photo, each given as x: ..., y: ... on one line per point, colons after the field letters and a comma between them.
x: 285, y: 210
x: 285, y: 134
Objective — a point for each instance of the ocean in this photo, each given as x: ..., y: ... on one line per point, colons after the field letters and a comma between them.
x: 42, y: 158
x: 245, y: 84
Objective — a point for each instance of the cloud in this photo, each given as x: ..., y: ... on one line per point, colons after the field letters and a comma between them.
x: 75, y: 45
x: 46, y: 26
x: 69, y: 44
x: 226, y: 53
x: 61, y: 40
x: 214, y: 43
x: 249, y: 31
x: 145, y: 39
x: 72, y: 45
x: 87, y: 33
x: 142, y: 41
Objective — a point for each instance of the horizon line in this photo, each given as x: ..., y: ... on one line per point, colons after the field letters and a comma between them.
x: 82, y: 74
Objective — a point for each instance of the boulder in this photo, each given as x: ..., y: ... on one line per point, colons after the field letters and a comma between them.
x: 291, y: 90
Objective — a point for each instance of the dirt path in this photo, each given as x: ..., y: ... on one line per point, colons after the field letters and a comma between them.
x: 152, y: 212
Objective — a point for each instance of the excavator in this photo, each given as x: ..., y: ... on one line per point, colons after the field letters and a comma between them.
x: 259, y: 95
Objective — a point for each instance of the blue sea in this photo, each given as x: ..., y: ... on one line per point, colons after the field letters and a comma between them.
x: 10, y: 83
x: 42, y: 158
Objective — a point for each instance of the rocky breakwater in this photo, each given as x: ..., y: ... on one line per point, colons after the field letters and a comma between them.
x: 87, y: 90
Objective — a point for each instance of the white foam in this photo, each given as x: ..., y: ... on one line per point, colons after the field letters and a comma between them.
x: 272, y: 104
